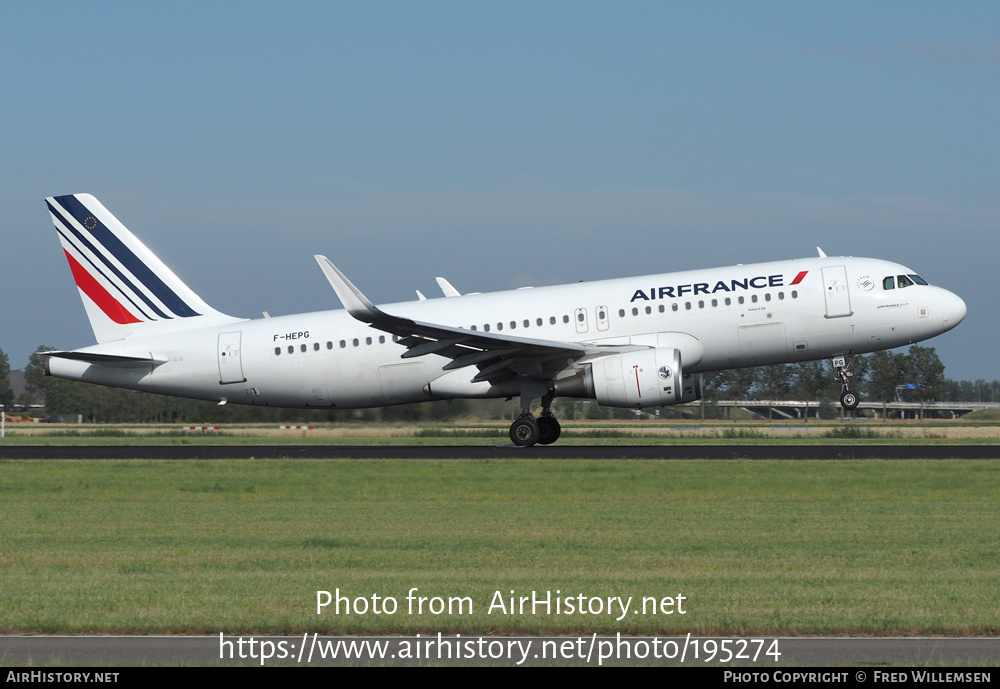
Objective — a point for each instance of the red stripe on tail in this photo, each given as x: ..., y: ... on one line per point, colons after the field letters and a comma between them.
x: 111, y: 307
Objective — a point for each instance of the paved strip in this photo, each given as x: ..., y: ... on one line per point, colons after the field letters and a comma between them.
x: 650, y: 452
x: 126, y: 651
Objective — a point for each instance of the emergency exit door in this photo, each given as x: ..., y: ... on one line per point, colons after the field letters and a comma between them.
x: 230, y: 366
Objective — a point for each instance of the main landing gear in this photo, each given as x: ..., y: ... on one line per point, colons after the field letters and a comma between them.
x: 848, y: 398
x: 527, y: 430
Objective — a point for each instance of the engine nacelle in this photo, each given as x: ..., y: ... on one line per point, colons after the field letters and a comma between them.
x: 691, y: 387
x: 644, y: 378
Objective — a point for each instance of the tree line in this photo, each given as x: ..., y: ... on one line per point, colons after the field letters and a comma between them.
x: 916, y: 375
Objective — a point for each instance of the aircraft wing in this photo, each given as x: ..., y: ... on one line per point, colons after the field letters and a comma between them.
x: 497, y: 356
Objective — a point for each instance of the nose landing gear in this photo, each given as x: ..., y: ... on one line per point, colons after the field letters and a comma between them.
x: 848, y: 398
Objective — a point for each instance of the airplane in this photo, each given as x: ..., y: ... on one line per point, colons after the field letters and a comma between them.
x: 636, y: 342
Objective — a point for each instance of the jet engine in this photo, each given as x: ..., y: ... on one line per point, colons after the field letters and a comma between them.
x: 644, y: 378
x: 691, y: 387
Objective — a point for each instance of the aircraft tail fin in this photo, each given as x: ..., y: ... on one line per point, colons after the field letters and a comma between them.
x: 125, y: 288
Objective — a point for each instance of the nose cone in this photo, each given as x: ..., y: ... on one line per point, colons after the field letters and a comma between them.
x: 953, y: 309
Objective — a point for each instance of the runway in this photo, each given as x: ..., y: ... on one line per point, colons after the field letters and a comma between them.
x: 500, y: 452
x: 74, y: 652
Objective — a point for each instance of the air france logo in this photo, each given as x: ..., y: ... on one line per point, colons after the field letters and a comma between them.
x: 675, y: 291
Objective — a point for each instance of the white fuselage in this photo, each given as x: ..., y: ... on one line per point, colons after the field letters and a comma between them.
x: 721, y: 318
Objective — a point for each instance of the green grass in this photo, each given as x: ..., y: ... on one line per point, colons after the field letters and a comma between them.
x: 817, y: 548
x: 645, y: 432
x: 983, y: 415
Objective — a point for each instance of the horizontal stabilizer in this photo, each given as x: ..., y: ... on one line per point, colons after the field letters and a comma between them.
x: 108, y: 359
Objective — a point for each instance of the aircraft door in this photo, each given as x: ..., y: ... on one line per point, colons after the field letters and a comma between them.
x: 838, y: 297
x: 230, y: 366
x: 602, y: 317
x: 581, y: 320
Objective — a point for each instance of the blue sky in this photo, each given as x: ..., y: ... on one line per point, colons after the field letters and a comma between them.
x: 499, y: 144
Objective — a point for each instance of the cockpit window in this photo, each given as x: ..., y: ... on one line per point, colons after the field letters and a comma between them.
x: 901, y: 281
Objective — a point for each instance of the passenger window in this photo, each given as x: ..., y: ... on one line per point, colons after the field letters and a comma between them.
x: 315, y: 346
x: 355, y: 342
x: 526, y: 322
x: 291, y: 349
x: 649, y: 310
x: 741, y: 300
x: 552, y: 320
x: 662, y: 308
x: 368, y: 340
x: 565, y: 319
x: 277, y: 351
x: 381, y: 339
x: 538, y: 321
x: 513, y: 325
x: 673, y: 306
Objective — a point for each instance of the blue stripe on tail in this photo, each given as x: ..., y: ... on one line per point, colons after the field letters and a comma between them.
x: 110, y: 242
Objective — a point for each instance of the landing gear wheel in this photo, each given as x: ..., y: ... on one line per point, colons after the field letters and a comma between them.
x: 548, y: 430
x: 848, y: 399
x: 524, y: 432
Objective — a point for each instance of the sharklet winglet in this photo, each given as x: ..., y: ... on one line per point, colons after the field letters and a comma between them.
x: 356, y: 303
